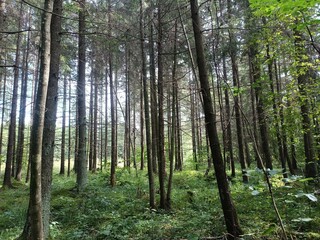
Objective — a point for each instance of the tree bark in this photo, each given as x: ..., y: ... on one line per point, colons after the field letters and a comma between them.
x: 161, y: 149
x: 34, y: 228
x: 10, y: 157
x: 230, y: 214
x: 153, y: 101
x: 63, y: 127
x: 22, y: 113
x: 303, y: 82
x: 146, y: 110
x: 81, y: 102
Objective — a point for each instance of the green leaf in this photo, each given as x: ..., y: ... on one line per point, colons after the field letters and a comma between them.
x: 302, y: 220
x: 306, y: 179
x: 312, y: 197
x: 255, y: 193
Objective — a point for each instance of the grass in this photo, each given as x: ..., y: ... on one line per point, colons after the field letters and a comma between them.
x: 122, y: 212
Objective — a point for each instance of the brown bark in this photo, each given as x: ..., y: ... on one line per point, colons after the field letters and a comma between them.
x: 22, y: 113
x: 230, y: 214
x: 153, y: 102
x: 303, y: 83
x: 34, y: 228
x: 81, y: 102
x: 10, y: 156
x: 146, y: 111
x: 63, y: 127
x: 161, y: 148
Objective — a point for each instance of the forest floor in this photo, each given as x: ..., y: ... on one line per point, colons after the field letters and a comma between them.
x: 122, y: 212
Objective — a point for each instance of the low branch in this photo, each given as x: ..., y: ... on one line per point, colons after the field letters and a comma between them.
x: 16, y: 32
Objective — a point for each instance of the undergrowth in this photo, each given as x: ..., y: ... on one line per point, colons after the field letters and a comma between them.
x: 122, y: 212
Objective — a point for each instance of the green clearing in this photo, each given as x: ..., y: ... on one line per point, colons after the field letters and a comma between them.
x: 122, y: 212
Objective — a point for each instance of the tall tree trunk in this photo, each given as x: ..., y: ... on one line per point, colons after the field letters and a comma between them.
x: 106, y: 135
x: 34, y: 226
x: 153, y: 101
x: 13, y: 115
x: 161, y: 149
x: 281, y: 116
x: 69, y: 131
x: 35, y: 83
x: 91, y: 120
x: 303, y: 82
x: 178, y: 135
x: 230, y: 214
x: 141, y: 127
x: 193, y: 126
x: 127, y: 138
x: 63, y: 128
x: 237, y: 102
x: 48, y: 144
x: 275, y: 103
x: 256, y: 77
x: 81, y: 101
x: 22, y: 113
x: 95, y: 121
x: 173, y: 121
x: 146, y: 109
x: 2, y: 113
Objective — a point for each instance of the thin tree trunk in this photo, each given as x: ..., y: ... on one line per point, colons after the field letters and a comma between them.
x: 90, y: 137
x: 63, y: 127
x: 153, y: 102
x: 95, y: 122
x: 161, y: 153
x: 2, y: 113
x: 230, y: 214
x: 275, y: 103
x: 193, y: 126
x: 22, y: 113
x: 10, y: 157
x: 141, y: 127
x: 173, y: 121
x: 81, y: 102
x: 69, y: 131
x: 256, y: 79
x: 303, y: 82
x: 106, y: 135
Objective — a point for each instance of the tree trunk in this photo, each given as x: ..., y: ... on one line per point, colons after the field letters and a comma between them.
x: 69, y: 132
x: 63, y: 127
x: 81, y: 102
x: 34, y: 226
x: 161, y: 149
x: 275, y: 103
x: 256, y: 78
x: 303, y: 82
x: 95, y: 121
x: 48, y: 144
x: 10, y: 157
x: 146, y: 110
x: 22, y: 113
x: 230, y: 214
x: 141, y: 127
x: 173, y: 121
x: 193, y: 126
x: 153, y: 101
x: 2, y: 114
x: 91, y: 120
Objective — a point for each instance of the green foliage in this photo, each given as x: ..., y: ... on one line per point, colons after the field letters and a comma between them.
x: 122, y: 212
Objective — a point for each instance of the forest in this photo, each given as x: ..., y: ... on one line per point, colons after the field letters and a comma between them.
x: 159, y: 119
